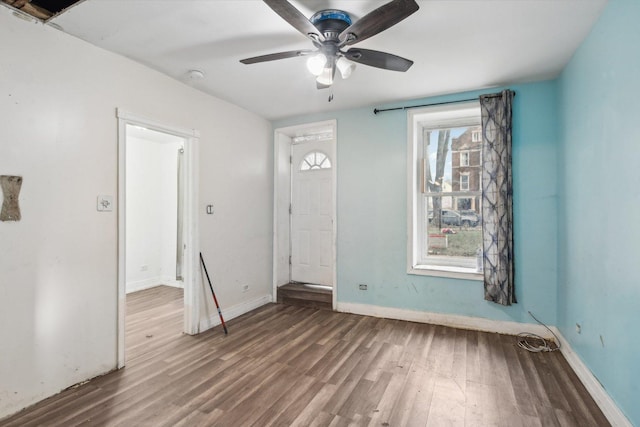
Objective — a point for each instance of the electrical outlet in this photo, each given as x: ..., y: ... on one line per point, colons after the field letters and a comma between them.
x: 144, y: 267
x: 362, y: 287
x: 245, y: 288
x: 578, y: 328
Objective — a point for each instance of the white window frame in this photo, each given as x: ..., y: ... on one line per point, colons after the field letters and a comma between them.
x: 467, y: 155
x: 436, y: 117
x: 476, y: 135
x: 465, y: 174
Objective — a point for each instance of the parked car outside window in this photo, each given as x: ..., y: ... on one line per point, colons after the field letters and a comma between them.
x: 449, y: 217
x: 470, y: 217
x: 464, y: 218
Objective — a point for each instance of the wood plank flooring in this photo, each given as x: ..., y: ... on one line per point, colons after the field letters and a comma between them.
x: 285, y: 365
x: 306, y: 295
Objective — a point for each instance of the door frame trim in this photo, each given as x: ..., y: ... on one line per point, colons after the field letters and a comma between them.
x: 283, y: 139
x: 190, y: 233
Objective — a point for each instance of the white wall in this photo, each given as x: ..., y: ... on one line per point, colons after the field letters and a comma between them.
x: 151, y: 175
x: 58, y: 265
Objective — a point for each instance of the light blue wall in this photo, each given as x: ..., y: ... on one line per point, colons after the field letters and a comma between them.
x: 372, y: 212
x: 599, y: 183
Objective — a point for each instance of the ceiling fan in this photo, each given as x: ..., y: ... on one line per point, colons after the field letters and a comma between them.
x: 332, y: 30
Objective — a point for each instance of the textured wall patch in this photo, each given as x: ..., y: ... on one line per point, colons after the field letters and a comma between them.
x: 11, y: 189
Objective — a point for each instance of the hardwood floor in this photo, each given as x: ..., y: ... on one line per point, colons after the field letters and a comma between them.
x: 285, y: 365
x: 305, y: 295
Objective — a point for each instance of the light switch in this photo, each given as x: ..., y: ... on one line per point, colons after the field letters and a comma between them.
x: 105, y: 203
x: 209, y: 209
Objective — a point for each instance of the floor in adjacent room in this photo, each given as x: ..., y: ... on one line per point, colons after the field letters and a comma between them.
x: 287, y: 365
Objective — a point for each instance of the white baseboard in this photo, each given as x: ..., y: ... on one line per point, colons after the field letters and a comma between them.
x: 452, y: 320
x: 151, y: 283
x: 591, y: 383
x: 171, y: 281
x: 233, y: 312
x: 593, y: 386
x: 142, y: 284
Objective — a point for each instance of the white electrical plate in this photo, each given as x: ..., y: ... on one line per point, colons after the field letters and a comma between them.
x: 105, y: 203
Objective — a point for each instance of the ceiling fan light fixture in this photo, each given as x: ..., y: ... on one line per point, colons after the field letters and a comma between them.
x: 332, y: 30
x: 326, y: 77
x: 345, y: 67
x: 316, y: 64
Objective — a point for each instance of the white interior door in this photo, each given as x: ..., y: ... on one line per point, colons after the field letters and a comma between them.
x: 312, y: 213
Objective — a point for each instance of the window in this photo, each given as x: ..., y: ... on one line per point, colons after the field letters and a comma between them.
x: 444, y: 240
x: 464, y: 182
x: 315, y: 160
x: 464, y: 158
x: 476, y: 136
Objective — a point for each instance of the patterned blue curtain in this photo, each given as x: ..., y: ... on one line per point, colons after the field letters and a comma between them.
x: 497, y: 198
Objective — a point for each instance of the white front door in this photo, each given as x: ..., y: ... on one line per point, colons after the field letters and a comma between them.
x: 311, y: 213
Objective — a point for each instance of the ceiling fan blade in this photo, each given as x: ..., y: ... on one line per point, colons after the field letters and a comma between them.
x: 295, y: 18
x: 378, y: 59
x: 276, y: 56
x: 377, y: 21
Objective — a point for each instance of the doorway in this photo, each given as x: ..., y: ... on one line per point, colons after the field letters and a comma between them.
x: 154, y: 209
x: 157, y: 223
x: 305, y: 206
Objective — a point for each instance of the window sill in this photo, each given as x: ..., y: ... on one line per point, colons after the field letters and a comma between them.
x: 449, y: 272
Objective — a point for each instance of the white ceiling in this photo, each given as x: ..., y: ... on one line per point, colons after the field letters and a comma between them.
x: 456, y: 45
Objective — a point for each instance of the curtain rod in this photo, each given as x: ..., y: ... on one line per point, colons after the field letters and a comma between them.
x: 406, y: 107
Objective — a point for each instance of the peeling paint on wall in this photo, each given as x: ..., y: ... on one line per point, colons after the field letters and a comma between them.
x: 11, y: 189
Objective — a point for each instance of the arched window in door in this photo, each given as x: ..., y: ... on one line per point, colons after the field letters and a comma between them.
x: 315, y: 160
